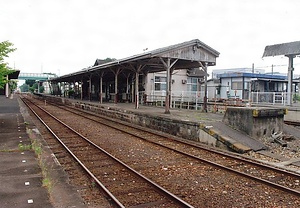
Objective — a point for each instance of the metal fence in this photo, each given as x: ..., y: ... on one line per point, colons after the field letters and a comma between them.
x: 273, y: 98
x: 179, y: 99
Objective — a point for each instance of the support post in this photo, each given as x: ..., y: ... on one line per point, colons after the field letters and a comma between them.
x: 116, y: 87
x: 100, y: 90
x: 64, y: 88
x: 167, y: 100
x: 6, y: 87
x: 205, y: 86
x: 168, y: 66
x: 205, y: 89
x: 290, y: 80
x: 137, y: 69
x: 81, y: 90
x: 127, y: 87
x: 90, y: 88
x: 137, y: 89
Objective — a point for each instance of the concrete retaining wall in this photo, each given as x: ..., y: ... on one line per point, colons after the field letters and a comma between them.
x: 256, y: 122
x: 185, y: 129
x: 293, y: 115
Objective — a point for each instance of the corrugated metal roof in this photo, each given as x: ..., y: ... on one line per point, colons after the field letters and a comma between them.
x: 292, y: 48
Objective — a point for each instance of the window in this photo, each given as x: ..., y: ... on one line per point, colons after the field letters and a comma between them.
x: 160, y: 83
x: 192, y: 84
x: 237, y: 85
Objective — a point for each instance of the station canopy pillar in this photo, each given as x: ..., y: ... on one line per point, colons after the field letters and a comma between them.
x: 168, y: 66
x: 290, y: 80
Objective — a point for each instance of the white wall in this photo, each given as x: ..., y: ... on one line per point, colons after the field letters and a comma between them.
x: 177, y: 78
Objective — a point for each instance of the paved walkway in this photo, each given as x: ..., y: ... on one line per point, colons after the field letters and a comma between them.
x: 20, y: 175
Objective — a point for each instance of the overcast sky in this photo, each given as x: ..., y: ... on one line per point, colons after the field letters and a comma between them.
x: 64, y: 36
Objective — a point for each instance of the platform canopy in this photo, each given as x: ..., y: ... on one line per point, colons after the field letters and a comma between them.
x: 285, y: 49
x: 14, y: 75
x: 186, y: 55
x: 290, y: 50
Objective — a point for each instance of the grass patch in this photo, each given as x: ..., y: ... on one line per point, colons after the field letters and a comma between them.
x: 24, y: 147
x: 36, y: 147
x: 47, y: 183
x: 38, y: 150
x: 7, y: 150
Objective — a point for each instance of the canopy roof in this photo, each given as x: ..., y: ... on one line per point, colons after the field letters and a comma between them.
x: 292, y: 48
x: 14, y: 75
x: 190, y: 54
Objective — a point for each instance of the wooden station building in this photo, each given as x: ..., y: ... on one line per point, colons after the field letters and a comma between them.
x: 125, y: 76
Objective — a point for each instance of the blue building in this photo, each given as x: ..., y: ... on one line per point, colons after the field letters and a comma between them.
x: 239, y: 85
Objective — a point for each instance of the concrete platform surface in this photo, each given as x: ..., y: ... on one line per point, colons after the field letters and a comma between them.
x: 20, y: 175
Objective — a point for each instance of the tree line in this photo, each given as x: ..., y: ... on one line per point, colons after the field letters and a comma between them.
x: 6, y: 48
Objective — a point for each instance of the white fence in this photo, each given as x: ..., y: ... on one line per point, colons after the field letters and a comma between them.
x: 273, y: 98
x: 179, y: 99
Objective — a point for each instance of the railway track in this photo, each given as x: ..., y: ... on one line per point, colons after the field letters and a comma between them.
x: 292, y: 123
x: 279, y: 179
x: 123, y: 185
x: 263, y: 173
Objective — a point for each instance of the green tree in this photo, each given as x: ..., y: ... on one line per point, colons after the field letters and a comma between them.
x: 30, y: 83
x: 5, y: 49
x: 34, y: 88
x: 24, y: 88
x: 13, y: 84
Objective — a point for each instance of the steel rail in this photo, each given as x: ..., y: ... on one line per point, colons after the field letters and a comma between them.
x: 248, y: 160
x: 292, y: 123
x: 163, y: 190
x: 115, y: 200
x: 272, y: 184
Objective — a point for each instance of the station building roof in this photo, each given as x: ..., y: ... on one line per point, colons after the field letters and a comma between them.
x: 253, y: 75
x: 190, y: 54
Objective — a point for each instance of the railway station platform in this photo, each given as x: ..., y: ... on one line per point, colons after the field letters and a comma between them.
x: 208, y: 128
x: 192, y: 125
x: 21, y: 177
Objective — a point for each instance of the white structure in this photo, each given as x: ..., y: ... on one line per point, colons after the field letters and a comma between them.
x: 185, y: 87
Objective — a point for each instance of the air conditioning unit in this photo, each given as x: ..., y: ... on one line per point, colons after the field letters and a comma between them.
x: 184, y: 81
